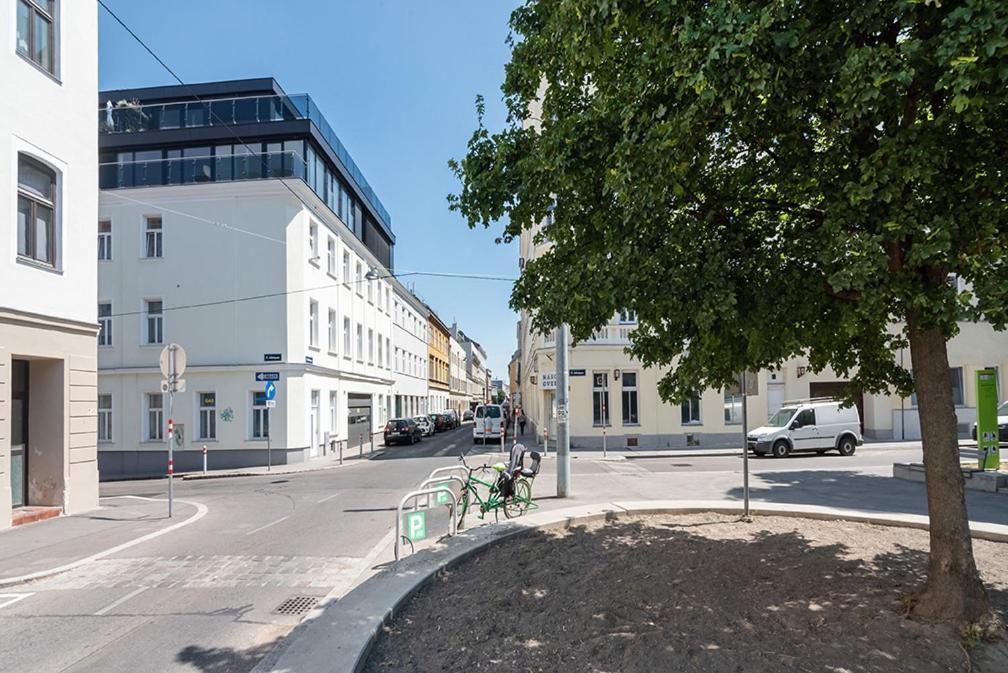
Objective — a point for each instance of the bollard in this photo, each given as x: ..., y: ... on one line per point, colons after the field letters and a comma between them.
x: 204, y: 458
x: 360, y: 447
x: 340, y: 452
x: 546, y: 440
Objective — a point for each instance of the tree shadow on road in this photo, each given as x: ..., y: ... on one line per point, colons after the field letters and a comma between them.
x: 224, y: 659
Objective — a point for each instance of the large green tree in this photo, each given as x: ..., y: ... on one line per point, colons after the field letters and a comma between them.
x: 761, y: 179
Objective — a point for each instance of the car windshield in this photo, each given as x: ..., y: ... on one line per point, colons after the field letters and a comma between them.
x: 781, y: 418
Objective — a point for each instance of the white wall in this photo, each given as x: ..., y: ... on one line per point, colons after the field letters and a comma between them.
x: 410, y: 338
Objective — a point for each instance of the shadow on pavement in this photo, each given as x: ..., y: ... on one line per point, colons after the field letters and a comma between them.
x: 855, y: 490
x: 224, y: 659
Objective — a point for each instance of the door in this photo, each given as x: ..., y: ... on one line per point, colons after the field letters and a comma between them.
x: 806, y: 435
x: 315, y: 436
x: 358, y: 420
x: 19, y: 433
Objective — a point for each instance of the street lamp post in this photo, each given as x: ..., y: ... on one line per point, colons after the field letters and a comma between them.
x: 563, y: 414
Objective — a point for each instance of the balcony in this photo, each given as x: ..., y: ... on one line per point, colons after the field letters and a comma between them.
x: 224, y: 112
x: 192, y: 170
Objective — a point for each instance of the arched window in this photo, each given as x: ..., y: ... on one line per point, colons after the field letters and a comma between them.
x: 36, y: 208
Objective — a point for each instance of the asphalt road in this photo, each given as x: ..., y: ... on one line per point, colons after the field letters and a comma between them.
x: 203, y: 598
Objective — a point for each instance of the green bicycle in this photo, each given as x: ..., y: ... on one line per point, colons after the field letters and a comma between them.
x: 510, y: 492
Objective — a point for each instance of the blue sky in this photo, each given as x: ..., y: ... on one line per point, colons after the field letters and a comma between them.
x: 397, y: 81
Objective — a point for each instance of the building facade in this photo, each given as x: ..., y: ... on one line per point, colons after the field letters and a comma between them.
x: 48, y: 394
x: 475, y: 368
x: 409, y: 343
x: 458, y: 382
x: 236, y: 225
x: 438, y: 363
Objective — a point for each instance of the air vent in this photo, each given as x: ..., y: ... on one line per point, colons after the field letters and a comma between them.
x: 296, y: 605
x: 631, y: 442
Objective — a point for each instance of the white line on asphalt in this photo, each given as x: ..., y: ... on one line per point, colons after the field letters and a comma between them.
x: 201, y: 511
x: 271, y: 523
x: 11, y: 599
x: 328, y: 497
x: 115, y: 604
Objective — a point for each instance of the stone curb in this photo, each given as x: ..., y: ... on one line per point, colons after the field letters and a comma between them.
x: 228, y: 474
x: 341, y: 635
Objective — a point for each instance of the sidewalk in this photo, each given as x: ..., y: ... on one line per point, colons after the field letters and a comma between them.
x: 324, y: 463
x: 46, y: 547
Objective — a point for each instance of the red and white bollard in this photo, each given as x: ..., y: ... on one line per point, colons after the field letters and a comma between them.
x: 171, y: 434
x: 204, y: 458
x: 546, y: 440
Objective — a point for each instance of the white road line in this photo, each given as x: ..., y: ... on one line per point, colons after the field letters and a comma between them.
x: 201, y: 511
x: 11, y: 599
x: 271, y: 523
x: 328, y: 497
x: 119, y: 602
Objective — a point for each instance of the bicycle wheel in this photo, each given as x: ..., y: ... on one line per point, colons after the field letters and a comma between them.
x: 518, y: 503
x: 463, y: 507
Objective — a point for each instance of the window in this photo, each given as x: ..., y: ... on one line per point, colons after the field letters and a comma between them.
x: 260, y: 415
x: 346, y: 267
x: 370, y: 289
x: 691, y: 411
x: 333, y: 417
x: 805, y: 417
x: 105, y: 418
x: 35, y: 32
x: 105, y: 324
x: 347, y: 346
x: 397, y: 360
x: 381, y: 358
x: 629, y: 381
x: 370, y: 346
x: 313, y: 324
x: 154, y: 323
x: 36, y: 211
x: 313, y: 241
x: 104, y: 240
x: 627, y: 317
x: 380, y: 307
x: 387, y: 297
x: 733, y: 405
x: 360, y: 343
x: 600, y: 398
x: 388, y: 351
x: 153, y: 237
x: 155, y: 417
x: 207, y: 415
x: 360, y: 279
x: 332, y: 331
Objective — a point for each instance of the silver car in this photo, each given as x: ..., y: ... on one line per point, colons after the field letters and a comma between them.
x: 426, y: 427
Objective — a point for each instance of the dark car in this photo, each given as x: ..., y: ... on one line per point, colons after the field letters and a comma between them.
x: 439, y: 421
x: 467, y: 415
x: 453, y: 418
x: 402, y: 431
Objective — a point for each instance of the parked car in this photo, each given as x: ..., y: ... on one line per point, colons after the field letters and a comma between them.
x: 402, y: 431
x: 1002, y: 416
x: 488, y: 422
x: 438, y: 420
x: 453, y: 418
x: 467, y: 415
x: 808, y: 425
x: 426, y: 427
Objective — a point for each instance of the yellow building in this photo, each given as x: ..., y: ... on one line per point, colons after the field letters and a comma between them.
x: 438, y: 363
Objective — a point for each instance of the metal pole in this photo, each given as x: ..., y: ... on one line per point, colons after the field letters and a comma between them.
x: 204, y: 458
x: 563, y: 430
x: 546, y: 438
x: 171, y: 438
x: 269, y: 440
x: 745, y: 450
x: 360, y: 447
x: 340, y: 451
x: 605, y: 420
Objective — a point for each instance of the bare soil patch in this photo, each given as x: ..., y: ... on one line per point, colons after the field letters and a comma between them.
x: 689, y: 593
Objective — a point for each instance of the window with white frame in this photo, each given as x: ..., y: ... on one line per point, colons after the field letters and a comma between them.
x: 347, y: 346
x: 207, y: 415
x: 260, y: 415
x: 388, y: 295
x: 155, y: 417
x: 104, y: 240
x: 105, y: 417
x: 370, y: 289
x: 36, y: 32
x: 359, y: 279
x: 332, y: 331
x: 313, y: 323
x: 733, y: 405
x: 629, y: 399
x: 313, y: 242
x: 36, y: 211
x: 397, y: 360
x: 600, y: 398
x: 332, y: 256
x: 380, y: 297
x: 388, y: 351
x: 690, y: 411
x: 333, y: 416
x: 153, y: 237
x: 105, y: 324
x: 346, y: 267
x: 381, y: 358
x: 360, y: 343
x: 370, y: 346
x: 153, y: 321
x: 627, y: 317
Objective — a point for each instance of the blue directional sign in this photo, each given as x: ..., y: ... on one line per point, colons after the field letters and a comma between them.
x: 267, y: 376
x: 270, y: 390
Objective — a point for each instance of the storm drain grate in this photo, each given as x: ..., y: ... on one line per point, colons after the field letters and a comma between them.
x: 296, y: 605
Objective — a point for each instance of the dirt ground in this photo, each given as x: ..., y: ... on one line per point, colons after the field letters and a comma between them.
x: 689, y: 593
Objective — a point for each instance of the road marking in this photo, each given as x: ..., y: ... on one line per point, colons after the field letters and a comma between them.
x: 11, y: 599
x: 119, y: 602
x: 201, y: 511
x: 328, y: 497
x: 271, y: 523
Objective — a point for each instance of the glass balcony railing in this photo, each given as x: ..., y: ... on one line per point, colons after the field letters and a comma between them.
x: 127, y: 118
x: 191, y: 170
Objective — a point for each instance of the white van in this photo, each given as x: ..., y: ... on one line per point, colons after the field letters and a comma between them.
x: 488, y: 420
x: 818, y: 425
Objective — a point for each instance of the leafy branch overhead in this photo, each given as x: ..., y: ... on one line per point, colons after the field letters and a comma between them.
x: 755, y: 179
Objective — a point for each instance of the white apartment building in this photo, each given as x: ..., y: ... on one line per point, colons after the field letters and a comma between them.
x: 475, y: 368
x: 48, y: 170
x: 409, y: 343
x: 254, y: 256
x: 458, y: 396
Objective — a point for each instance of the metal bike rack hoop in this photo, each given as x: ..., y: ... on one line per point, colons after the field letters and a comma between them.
x: 413, y: 494
x: 444, y: 470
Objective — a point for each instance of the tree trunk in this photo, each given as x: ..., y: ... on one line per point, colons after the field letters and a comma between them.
x: 954, y: 592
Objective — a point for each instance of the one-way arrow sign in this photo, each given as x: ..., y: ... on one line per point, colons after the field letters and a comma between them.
x: 267, y: 376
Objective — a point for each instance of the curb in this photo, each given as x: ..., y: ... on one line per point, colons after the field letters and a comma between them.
x: 341, y: 636
x: 195, y: 476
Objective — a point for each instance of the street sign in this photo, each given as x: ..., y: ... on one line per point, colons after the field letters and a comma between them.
x: 416, y: 525
x: 270, y: 390
x: 272, y: 357
x: 576, y: 372
x: 271, y: 404
x: 267, y: 376
x: 166, y: 386
x: 548, y: 381
x: 309, y: 360
x: 168, y: 353
x: 441, y: 497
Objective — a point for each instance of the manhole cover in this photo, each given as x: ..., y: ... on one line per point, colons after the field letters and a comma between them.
x: 296, y: 605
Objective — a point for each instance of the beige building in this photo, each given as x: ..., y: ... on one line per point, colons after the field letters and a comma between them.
x: 438, y: 363
x: 49, y: 407
x: 458, y: 399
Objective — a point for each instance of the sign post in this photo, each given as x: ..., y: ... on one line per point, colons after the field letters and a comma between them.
x: 563, y: 430
x: 988, y: 450
x: 270, y: 393
x: 745, y: 451
x: 173, y: 364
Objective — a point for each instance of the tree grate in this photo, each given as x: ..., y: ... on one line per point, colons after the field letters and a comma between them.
x: 296, y: 605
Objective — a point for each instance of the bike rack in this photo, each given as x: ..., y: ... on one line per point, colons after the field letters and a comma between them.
x: 452, y: 504
x: 437, y: 480
x: 445, y: 470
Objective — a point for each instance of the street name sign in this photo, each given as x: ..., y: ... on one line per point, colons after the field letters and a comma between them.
x: 267, y: 376
x: 272, y: 357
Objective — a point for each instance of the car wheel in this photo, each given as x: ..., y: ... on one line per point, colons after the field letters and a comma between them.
x: 781, y: 449
x: 847, y: 445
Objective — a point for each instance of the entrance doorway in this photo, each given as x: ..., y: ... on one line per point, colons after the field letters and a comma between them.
x: 835, y: 389
x: 19, y: 433
x: 358, y: 420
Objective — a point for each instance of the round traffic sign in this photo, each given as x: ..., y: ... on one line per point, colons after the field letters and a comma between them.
x: 176, y: 353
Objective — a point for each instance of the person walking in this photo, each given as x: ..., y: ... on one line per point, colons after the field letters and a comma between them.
x: 522, y: 419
